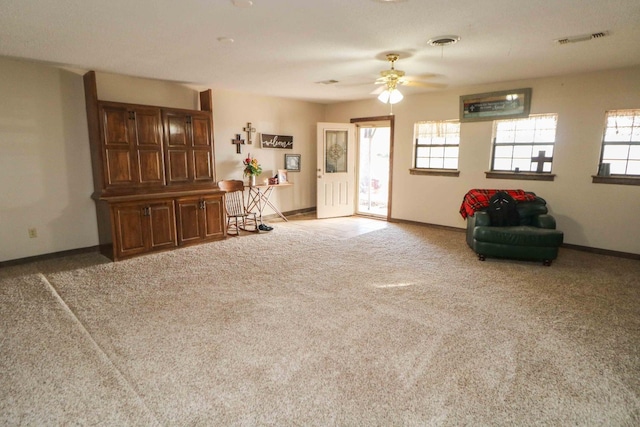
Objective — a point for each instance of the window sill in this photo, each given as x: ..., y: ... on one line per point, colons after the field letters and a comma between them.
x: 434, y: 172
x: 527, y: 176
x: 616, y: 179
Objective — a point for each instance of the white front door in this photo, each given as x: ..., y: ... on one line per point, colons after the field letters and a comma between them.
x: 336, y: 170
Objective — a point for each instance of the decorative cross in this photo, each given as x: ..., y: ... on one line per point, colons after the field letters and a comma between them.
x: 238, y: 142
x: 249, y: 130
x: 541, y: 160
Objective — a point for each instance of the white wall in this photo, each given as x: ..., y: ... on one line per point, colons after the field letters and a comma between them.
x: 232, y: 111
x: 45, y: 165
x: 595, y: 215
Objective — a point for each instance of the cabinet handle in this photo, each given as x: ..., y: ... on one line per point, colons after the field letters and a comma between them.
x: 146, y: 211
x: 202, y: 204
x: 132, y: 115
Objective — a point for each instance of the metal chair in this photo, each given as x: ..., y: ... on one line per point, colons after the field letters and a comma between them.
x: 235, y: 207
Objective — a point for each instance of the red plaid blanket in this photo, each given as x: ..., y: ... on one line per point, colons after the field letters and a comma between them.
x: 476, y: 199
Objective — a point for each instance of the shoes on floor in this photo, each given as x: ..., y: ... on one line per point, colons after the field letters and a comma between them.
x: 264, y: 227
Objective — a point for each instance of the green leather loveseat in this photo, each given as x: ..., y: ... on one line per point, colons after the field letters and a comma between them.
x: 535, y: 238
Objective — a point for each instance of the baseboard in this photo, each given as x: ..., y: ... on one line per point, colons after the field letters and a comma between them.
x: 290, y: 213
x: 97, y: 249
x: 564, y: 245
x: 599, y: 251
x: 426, y: 224
x: 53, y: 255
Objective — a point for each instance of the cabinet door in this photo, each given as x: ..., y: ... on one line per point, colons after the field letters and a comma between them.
x: 162, y: 225
x: 147, y: 136
x: 129, y: 229
x: 140, y: 227
x: 200, y: 218
x: 118, y: 149
x: 132, y: 138
x: 203, y: 166
x: 214, y: 220
x: 177, y: 147
x: 190, y: 214
x: 188, y: 147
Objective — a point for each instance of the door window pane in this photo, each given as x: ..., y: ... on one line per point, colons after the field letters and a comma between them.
x: 335, y: 153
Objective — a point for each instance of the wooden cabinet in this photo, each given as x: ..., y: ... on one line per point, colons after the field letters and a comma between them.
x: 188, y: 147
x: 153, y: 175
x: 143, y: 226
x: 200, y: 218
x: 131, y: 146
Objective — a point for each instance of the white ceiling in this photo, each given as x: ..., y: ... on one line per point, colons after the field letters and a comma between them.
x: 283, y: 47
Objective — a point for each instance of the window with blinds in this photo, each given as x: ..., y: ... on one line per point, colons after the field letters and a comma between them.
x: 437, y: 144
x: 524, y: 145
x: 621, y: 142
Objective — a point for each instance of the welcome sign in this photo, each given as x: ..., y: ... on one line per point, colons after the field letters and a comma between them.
x: 276, y: 141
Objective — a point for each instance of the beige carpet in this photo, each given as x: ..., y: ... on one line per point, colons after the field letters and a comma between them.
x: 398, y: 326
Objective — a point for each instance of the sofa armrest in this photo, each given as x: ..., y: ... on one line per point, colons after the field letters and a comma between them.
x: 482, y: 218
x: 544, y: 221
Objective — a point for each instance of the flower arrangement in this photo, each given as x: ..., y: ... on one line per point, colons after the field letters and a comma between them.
x: 251, y: 166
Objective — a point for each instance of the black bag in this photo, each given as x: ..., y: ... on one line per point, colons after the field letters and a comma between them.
x: 502, y: 210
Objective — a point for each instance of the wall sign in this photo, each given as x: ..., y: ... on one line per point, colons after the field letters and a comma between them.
x: 506, y: 104
x: 276, y: 141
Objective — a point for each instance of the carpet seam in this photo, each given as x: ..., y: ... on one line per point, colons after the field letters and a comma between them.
x: 102, y: 354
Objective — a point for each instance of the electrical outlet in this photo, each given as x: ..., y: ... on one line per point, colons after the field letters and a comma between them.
x: 33, y: 233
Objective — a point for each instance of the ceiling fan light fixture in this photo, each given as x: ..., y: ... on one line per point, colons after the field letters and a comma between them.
x: 390, y: 96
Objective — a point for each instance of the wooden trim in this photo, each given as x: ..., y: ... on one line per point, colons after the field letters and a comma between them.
x: 526, y: 176
x: 291, y: 213
x: 206, y: 101
x: 427, y: 224
x: 159, y: 195
x: 52, y: 255
x: 392, y: 125
x: 373, y: 119
x: 596, y: 251
x: 617, y: 179
x: 206, y: 104
x: 599, y: 251
x: 93, y: 122
x: 434, y: 172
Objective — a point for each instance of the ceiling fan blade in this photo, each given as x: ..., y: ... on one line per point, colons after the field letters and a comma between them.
x: 423, y: 76
x: 378, y: 90
x: 424, y: 84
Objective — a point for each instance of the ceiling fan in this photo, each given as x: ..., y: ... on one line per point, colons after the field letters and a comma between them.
x: 392, y: 78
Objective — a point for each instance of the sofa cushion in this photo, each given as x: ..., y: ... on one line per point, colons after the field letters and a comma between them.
x: 527, y: 210
x: 522, y: 235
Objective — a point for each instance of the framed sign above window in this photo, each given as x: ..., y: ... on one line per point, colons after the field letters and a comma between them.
x: 506, y: 104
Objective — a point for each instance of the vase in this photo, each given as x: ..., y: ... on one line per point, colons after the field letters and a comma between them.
x: 252, y: 180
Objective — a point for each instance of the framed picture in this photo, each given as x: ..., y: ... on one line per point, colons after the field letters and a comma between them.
x: 276, y: 141
x: 282, y: 176
x: 506, y: 104
x: 292, y: 162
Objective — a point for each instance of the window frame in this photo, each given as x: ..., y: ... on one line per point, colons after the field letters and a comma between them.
x: 614, y: 178
x: 518, y: 174
x: 635, y: 113
x: 416, y: 170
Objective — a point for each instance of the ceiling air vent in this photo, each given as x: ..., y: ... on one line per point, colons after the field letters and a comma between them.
x: 443, y: 40
x: 582, y: 38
